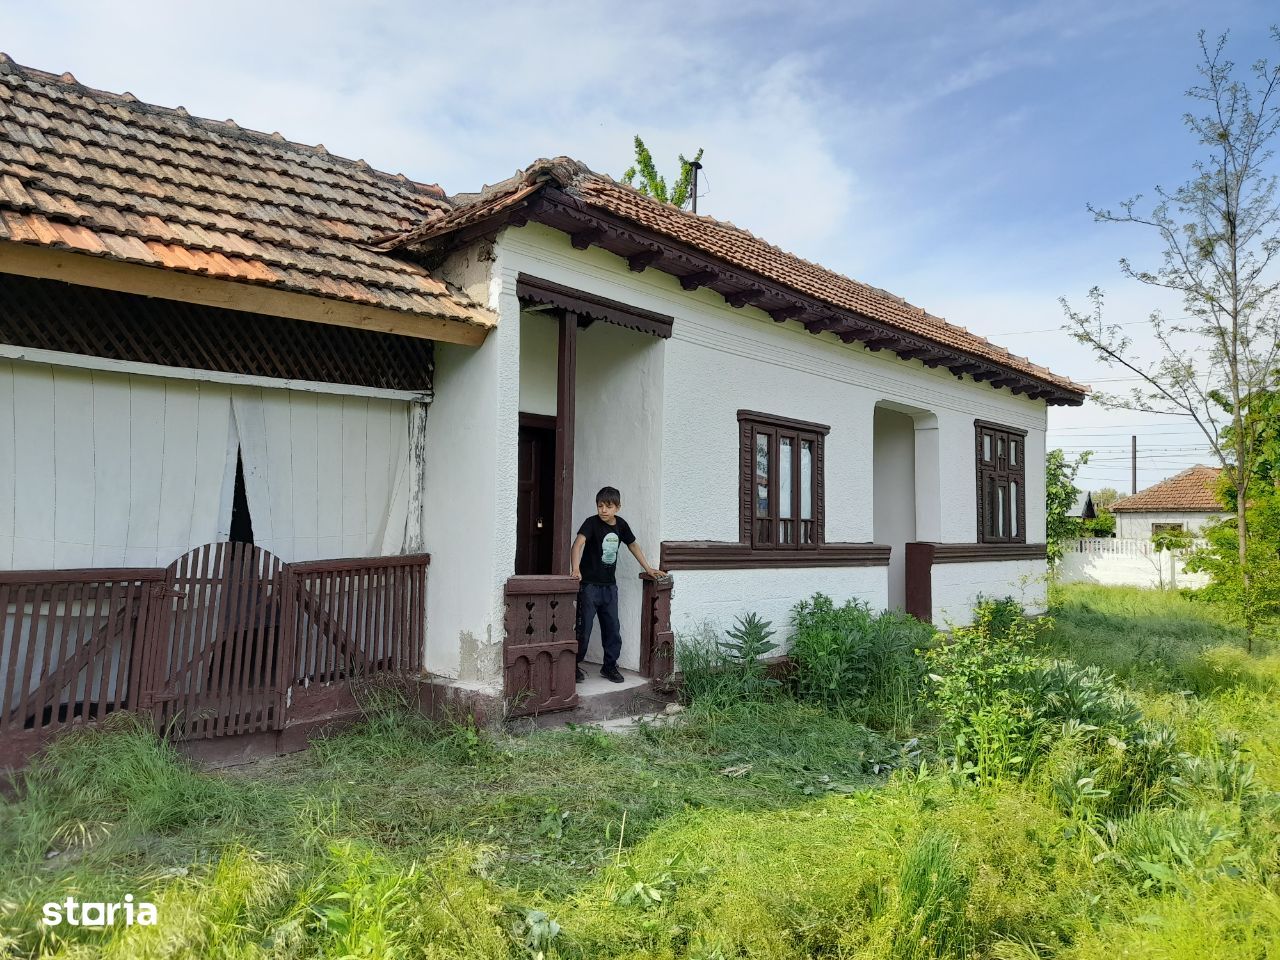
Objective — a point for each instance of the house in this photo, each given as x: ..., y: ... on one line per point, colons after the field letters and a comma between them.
x: 1184, y: 502
x: 253, y: 389
x: 1083, y: 508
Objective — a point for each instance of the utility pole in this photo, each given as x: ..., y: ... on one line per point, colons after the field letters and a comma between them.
x: 1133, y: 463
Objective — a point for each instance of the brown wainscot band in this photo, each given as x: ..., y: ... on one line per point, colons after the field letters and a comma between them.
x: 974, y: 552
x: 922, y: 557
x: 721, y: 555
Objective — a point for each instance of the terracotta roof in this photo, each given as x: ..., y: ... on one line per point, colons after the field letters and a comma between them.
x: 725, y: 242
x: 1191, y: 491
x: 104, y: 174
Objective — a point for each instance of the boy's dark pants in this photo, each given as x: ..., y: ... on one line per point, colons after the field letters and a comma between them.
x: 599, y: 600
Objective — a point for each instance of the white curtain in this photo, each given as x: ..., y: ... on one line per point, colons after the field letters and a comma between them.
x: 106, y: 469
x: 326, y: 476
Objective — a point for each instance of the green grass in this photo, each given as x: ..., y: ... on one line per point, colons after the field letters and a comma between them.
x: 757, y: 827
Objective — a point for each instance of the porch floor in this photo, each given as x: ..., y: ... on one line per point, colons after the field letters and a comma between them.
x: 601, y: 699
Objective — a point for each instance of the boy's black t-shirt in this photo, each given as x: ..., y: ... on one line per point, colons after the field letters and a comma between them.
x: 600, y: 554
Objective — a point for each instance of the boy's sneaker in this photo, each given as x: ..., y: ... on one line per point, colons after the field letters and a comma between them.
x: 611, y: 673
x: 578, y: 674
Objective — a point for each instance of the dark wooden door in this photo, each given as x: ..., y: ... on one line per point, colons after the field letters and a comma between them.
x: 535, y: 520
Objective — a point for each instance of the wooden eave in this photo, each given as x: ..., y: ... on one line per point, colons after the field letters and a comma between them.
x: 643, y: 249
x: 57, y: 264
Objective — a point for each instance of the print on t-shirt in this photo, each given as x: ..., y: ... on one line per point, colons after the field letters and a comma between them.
x: 609, y: 549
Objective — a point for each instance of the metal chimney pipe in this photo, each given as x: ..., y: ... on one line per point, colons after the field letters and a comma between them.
x: 697, y: 165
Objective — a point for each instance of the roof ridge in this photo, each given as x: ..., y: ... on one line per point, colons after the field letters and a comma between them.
x: 231, y: 129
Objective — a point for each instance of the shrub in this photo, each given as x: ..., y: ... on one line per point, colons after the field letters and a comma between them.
x: 722, y: 671
x: 846, y: 658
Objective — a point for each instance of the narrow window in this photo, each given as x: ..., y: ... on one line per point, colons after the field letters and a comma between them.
x: 1013, y: 508
x: 1000, y: 484
x: 781, y: 499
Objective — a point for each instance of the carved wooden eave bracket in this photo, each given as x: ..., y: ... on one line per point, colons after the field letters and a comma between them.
x: 547, y: 196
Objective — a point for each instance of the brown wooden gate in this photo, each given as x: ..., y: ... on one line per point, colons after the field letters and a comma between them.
x: 223, y: 643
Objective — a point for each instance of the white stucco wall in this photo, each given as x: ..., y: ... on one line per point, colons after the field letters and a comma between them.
x: 956, y: 585
x: 618, y: 443
x: 1137, y: 525
x: 719, y: 597
x: 720, y: 359
x: 893, y: 501
x: 469, y: 523
x: 539, y: 360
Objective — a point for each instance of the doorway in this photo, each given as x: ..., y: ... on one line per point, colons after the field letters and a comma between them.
x: 535, y: 507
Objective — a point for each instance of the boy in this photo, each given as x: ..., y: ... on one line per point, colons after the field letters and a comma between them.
x: 592, y: 562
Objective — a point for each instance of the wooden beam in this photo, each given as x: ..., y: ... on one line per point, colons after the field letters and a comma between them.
x: 692, y: 281
x: 740, y: 298
x: 823, y: 324
x: 48, y: 264
x: 566, y: 379
x: 585, y: 238
x: 637, y: 262
x: 783, y: 314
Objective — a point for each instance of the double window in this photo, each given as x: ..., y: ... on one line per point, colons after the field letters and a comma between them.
x: 1001, y: 452
x: 781, y: 496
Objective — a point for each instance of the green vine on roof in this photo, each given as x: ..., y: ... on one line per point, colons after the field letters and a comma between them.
x: 652, y: 184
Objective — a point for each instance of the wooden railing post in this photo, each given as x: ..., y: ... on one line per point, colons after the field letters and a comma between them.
x: 657, y: 640
x: 540, y: 649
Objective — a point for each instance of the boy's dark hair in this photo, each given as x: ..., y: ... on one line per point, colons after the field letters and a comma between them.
x: 609, y: 495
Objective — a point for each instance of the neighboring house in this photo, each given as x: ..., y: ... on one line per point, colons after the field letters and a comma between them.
x: 1185, y: 502
x: 230, y: 361
x: 1083, y: 508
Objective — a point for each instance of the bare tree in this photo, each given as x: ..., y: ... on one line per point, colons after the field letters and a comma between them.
x: 1220, y: 233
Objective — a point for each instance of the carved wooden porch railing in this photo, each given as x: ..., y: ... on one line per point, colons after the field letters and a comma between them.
x: 657, y: 641
x: 540, y: 651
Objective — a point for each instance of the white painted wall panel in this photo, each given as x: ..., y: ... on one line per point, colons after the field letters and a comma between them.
x: 8, y: 469
x: 539, y: 359
x: 73, y: 451
x: 618, y: 442
x: 718, y: 597
x: 957, y: 585
x: 34, y: 460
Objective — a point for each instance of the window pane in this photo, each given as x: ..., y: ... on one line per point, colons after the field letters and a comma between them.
x: 762, y: 474
x: 1013, y: 452
x: 806, y: 480
x: 1000, y: 448
x: 1002, y: 511
x: 784, y: 477
x: 1013, y: 503
x: 990, y: 524
x: 986, y: 447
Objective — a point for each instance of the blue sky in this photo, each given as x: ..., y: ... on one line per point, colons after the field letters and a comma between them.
x: 941, y: 150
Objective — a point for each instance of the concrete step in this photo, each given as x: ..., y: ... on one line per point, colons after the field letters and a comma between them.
x: 602, y: 700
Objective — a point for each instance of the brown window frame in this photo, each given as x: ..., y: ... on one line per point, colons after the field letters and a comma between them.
x: 994, y: 476
x: 766, y: 532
